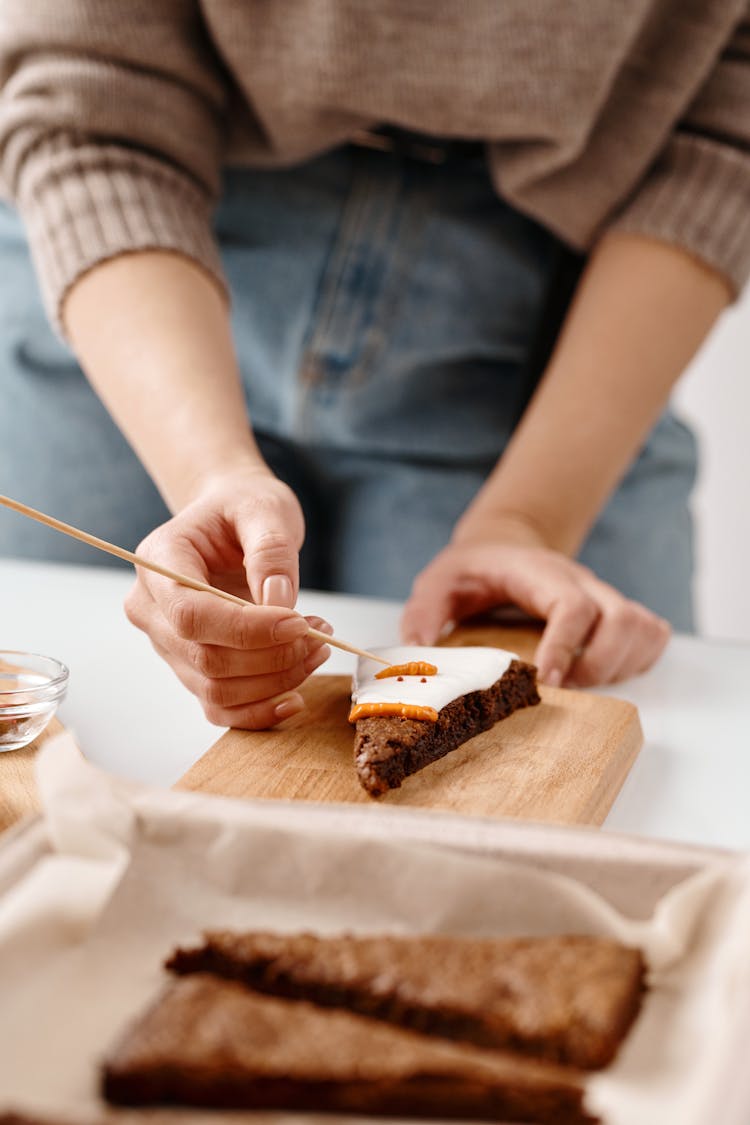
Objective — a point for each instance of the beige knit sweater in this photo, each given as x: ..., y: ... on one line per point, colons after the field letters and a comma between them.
x: 117, y: 116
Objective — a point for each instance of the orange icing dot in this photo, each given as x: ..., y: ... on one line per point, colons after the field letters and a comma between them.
x: 413, y: 668
x: 403, y: 710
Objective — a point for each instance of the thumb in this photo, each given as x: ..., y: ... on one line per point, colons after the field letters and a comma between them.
x: 270, y: 544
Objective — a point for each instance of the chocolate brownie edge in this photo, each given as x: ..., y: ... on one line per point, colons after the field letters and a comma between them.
x: 474, y: 992
x: 425, y: 1096
x: 211, y: 1043
x: 387, y: 749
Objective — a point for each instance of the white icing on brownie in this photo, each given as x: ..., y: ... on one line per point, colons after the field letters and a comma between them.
x: 460, y: 670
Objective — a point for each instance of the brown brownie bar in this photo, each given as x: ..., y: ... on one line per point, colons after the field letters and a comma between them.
x: 213, y: 1043
x: 19, y: 1117
x: 388, y: 748
x: 13, y: 1118
x: 568, y: 999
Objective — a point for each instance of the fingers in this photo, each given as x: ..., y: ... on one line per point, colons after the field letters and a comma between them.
x: 216, y: 662
x: 249, y: 690
x: 198, y: 616
x: 248, y: 701
x: 243, y: 663
x: 593, y: 634
x: 459, y: 582
x: 628, y: 639
x: 270, y: 532
x: 205, y: 619
x: 463, y: 581
x: 625, y: 639
x: 570, y: 619
x: 429, y: 608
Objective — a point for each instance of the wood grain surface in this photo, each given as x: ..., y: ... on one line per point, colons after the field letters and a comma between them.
x: 563, y: 761
x: 18, y: 795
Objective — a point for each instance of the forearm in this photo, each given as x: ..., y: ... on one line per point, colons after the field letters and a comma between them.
x: 641, y: 311
x: 152, y: 332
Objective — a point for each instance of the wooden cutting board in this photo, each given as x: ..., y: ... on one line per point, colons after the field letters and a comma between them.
x: 563, y: 761
x: 18, y: 795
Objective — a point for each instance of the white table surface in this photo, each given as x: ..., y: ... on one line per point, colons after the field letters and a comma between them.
x: 131, y: 716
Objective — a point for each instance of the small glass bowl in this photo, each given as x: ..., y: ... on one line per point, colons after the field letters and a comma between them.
x: 31, y: 686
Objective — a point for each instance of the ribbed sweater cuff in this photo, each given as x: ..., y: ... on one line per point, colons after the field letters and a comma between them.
x: 697, y: 197
x: 82, y: 206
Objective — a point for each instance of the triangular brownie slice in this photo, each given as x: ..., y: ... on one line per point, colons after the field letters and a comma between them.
x: 567, y: 998
x: 213, y: 1043
x: 474, y: 688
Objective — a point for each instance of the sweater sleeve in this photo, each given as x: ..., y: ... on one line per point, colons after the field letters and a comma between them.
x: 110, y: 132
x: 697, y: 193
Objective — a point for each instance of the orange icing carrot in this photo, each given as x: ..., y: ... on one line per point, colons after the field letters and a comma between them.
x: 414, y: 668
x: 403, y: 710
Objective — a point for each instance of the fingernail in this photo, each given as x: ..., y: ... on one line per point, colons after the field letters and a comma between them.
x: 290, y: 628
x: 324, y: 627
x: 553, y: 677
x: 288, y: 704
x: 277, y: 590
x: 316, y: 659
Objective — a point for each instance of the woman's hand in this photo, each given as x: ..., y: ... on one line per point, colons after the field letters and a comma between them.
x: 153, y: 327
x: 242, y: 533
x: 640, y: 312
x: 593, y: 635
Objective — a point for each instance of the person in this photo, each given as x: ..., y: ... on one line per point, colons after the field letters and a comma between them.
x: 395, y: 293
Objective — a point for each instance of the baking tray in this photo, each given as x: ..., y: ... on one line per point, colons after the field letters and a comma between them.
x: 114, y: 867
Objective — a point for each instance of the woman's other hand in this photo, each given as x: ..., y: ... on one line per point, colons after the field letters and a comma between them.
x: 242, y: 532
x: 592, y: 635
x: 641, y: 309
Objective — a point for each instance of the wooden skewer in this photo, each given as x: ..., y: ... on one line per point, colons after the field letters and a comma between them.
x: 182, y: 579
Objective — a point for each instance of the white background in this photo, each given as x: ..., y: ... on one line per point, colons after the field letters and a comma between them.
x: 714, y: 397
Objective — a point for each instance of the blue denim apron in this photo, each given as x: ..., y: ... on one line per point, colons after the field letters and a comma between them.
x: 385, y: 309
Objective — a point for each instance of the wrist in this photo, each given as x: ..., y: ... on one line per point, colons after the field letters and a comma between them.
x: 497, y: 525
x: 238, y: 464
